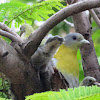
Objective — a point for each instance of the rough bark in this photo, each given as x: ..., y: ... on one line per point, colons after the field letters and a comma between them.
x: 95, y: 17
x: 89, y: 58
x: 97, y: 11
x: 9, y: 33
x: 19, y: 71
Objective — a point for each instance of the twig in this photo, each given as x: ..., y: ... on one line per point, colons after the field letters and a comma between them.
x: 18, y: 15
x: 95, y: 17
x: 97, y: 11
x: 10, y: 36
x: 2, y: 90
x: 69, y: 23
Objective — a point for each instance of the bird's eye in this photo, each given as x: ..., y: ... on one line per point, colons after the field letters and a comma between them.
x: 90, y: 81
x: 74, y: 37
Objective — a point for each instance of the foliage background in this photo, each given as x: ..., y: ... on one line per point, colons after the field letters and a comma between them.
x: 14, y: 13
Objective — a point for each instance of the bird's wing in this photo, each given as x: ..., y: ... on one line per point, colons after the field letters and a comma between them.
x: 72, y: 80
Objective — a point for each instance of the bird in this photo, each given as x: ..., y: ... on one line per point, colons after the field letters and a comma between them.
x: 26, y: 30
x: 66, y: 58
x: 89, y: 81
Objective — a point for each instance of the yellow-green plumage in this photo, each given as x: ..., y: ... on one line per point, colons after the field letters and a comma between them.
x: 26, y: 30
x: 67, y: 60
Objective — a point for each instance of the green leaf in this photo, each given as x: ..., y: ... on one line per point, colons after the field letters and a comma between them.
x: 19, y: 11
x: 81, y: 93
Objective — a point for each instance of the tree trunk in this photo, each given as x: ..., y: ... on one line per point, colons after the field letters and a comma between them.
x: 29, y: 76
x: 89, y: 58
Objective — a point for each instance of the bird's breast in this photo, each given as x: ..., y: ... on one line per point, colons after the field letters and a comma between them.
x: 67, y: 62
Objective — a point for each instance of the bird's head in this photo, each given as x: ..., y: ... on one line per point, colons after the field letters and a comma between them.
x: 75, y: 40
x: 89, y: 81
x: 22, y: 28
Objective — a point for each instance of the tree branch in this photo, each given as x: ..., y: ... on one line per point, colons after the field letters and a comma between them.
x: 97, y: 11
x: 95, y: 17
x: 7, y: 29
x: 32, y: 43
x: 10, y: 36
x: 69, y: 23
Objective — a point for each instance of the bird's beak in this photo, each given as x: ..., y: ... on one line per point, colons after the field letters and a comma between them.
x: 96, y: 83
x: 84, y: 41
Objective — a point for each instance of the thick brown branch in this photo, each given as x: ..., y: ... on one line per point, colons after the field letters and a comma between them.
x: 10, y: 36
x: 7, y: 29
x: 95, y: 17
x: 34, y: 40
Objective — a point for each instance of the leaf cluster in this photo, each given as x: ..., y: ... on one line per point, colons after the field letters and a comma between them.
x: 81, y: 93
x: 21, y: 12
x: 4, y: 87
